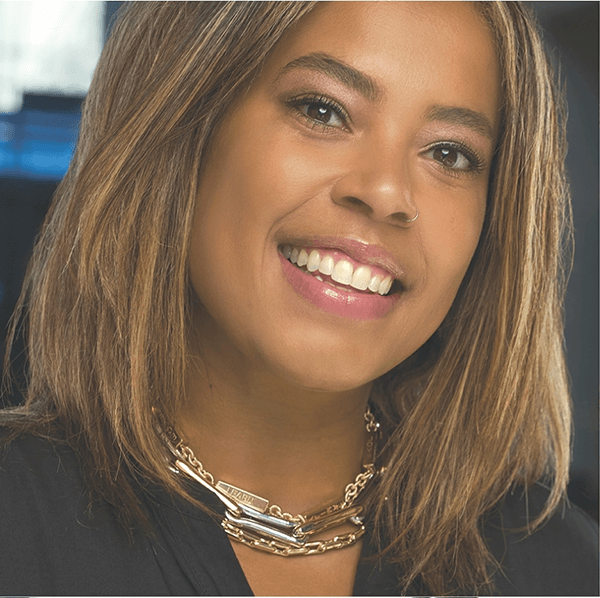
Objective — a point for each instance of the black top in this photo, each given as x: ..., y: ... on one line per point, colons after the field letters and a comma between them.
x: 50, y: 544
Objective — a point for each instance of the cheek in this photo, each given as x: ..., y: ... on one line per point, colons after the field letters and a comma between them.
x: 253, y: 182
x: 250, y: 187
x: 449, y: 244
x: 456, y: 244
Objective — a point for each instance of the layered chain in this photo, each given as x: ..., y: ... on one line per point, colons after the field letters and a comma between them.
x: 251, y: 520
x: 273, y: 547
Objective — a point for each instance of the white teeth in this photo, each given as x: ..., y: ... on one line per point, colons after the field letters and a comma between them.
x: 361, y: 278
x: 326, y: 265
x: 375, y: 283
x: 314, y: 260
x: 342, y: 272
x: 302, y: 258
x: 385, y: 286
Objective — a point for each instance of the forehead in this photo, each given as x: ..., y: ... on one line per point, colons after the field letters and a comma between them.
x: 382, y: 27
x: 407, y: 47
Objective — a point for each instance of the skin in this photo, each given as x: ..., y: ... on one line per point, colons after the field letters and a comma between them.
x: 285, y: 383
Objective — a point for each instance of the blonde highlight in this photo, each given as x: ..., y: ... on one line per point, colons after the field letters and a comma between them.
x: 106, y: 304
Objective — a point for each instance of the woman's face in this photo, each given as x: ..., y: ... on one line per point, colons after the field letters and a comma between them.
x: 364, y: 114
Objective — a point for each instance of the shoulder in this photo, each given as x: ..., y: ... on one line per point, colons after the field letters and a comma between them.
x: 28, y: 457
x: 53, y: 540
x: 39, y: 478
x: 37, y: 475
x: 558, y: 559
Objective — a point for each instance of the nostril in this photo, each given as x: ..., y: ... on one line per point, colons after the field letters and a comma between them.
x: 357, y: 204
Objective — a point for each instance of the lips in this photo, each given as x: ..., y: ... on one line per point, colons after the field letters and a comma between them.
x: 343, y: 277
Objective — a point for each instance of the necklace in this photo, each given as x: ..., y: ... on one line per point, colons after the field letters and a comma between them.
x: 251, y: 520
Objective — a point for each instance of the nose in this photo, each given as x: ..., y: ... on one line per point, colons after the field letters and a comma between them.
x: 377, y: 184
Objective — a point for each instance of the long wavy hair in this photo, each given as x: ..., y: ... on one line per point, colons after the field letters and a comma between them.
x: 106, y: 304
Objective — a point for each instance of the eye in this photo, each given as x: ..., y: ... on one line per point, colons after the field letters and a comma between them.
x: 452, y: 158
x: 323, y: 114
x: 455, y: 157
x: 321, y: 111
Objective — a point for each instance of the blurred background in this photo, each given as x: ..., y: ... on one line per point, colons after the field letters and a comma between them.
x: 48, y: 51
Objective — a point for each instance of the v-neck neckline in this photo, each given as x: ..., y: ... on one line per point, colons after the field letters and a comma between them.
x: 184, y: 521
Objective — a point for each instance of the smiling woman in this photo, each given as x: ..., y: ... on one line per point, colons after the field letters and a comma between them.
x: 299, y: 296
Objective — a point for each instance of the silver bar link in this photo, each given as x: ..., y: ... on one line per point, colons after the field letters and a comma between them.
x: 264, y: 530
x: 266, y: 518
x: 336, y: 518
x: 220, y: 495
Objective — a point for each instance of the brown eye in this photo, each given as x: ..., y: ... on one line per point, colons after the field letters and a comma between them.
x: 319, y: 112
x: 447, y: 157
x: 452, y: 158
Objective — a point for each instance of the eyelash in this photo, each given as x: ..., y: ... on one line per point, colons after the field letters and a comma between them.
x: 477, y: 163
x: 306, y: 100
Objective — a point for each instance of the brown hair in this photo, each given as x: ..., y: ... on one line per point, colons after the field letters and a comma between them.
x: 106, y: 303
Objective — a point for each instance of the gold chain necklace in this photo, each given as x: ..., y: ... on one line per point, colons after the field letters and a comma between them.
x: 251, y: 520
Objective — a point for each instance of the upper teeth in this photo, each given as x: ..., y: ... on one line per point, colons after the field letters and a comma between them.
x: 342, y: 271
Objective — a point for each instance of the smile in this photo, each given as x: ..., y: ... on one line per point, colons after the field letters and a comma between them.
x: 326, y: 266
x: 334, y: 282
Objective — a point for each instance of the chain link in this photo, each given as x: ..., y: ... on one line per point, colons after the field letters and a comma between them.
x: 351, y: 492
x: 192, y: 460
x: 276, y: 511
x: 372, y: 424
x: 355, y: 488
x: 280, y: 549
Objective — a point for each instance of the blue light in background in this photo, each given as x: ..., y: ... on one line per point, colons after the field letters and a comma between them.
x: 38, y: 142
x: 45, y: 160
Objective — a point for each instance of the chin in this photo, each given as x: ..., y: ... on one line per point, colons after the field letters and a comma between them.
x: 330, y: 371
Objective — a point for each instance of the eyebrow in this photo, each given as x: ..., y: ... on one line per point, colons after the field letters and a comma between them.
x: 363, y: 84
x: 462, y: 116
x: 332, y: 67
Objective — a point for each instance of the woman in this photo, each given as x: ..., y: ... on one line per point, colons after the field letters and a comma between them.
x: 299, y: 295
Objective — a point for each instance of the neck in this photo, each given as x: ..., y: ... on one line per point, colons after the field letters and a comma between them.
x: 294, y: 446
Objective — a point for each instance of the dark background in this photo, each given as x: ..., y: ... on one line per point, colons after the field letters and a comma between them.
x: 40, y: 138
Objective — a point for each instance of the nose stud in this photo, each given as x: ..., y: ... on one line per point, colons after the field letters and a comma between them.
x: 411, y: 220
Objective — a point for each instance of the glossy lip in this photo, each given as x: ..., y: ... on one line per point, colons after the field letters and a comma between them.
x: 365, y: 253
x: 348, y: 304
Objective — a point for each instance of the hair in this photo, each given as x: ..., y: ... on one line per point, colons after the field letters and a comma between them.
x: 106, y: 304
